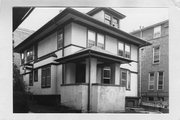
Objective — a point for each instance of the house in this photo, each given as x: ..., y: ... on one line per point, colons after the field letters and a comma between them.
x: 155, y: 62
x: 85, y: 60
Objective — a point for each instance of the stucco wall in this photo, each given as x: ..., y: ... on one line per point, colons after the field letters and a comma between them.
x: 99, y: 16
x: 79, y: 35
x: 75, y: 96
x: 108, y: 99
x: 47, y: 45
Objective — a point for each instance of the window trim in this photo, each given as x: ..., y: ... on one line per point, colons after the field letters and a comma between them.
x: 154, y: 37
x: 111, y: 19
x: 128, y: 81
x: 158, y: 80
x: 60, y: 31
x: 96, y: 40
x: 124, y: 44
x: 45, y: 86
x: 149, y: 81
x: 159, y: 54
x: 31, y: 82
x: 110, y: 78
x: 35, y: 70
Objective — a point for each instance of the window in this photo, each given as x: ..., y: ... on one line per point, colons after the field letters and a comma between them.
x: 151, y: 81
x: 160, y: 80
x: 106, y: 75
x: 59, y: 39
x: 107, y: 19
x: 91, y: 38
x: 46, y: 77
x: 124, y: 50
x: 100, y: 41
x: 120, y: 49
x: 157, y: 32
x: 35, y: 52
x: 31, y: 79
x: 36, y: 75
x: 22, y: 58
x: 115, y: 22
x: 127, y: 51
x: 156, y: 54
x: 92, y: 41
x: 125, y: 79
x: 30, y: 54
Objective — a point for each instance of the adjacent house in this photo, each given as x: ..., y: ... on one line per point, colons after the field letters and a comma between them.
x: 85, y: 60
x: 154, y: 62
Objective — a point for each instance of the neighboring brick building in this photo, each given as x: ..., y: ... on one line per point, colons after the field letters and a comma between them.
x: 19, y: 35
x: 154, y: 62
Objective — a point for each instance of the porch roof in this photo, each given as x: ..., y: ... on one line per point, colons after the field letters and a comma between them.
x: 93, y: 52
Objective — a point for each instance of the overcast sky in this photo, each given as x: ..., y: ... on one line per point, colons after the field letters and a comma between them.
x: 135, y: 17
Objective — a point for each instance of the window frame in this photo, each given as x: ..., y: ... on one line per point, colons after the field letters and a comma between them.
x: 158, y: 80
x: 155, y: 32
x: 154, y: 54
x: 151, y: 81
x: 60, y: 31
x: 107, y: 68
x: 128, y: 78
x: 31, y: 78
x: 35, y: 75
x: 45, y: 85
x: 22, y: 59
x: 32, y: 55
x: 111, y: 19
x: 96, y: 39
x: 124, y: 54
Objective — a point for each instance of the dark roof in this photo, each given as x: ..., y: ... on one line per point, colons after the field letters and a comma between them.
x: 96, y: 52
x: 70, y: 14
x: 106, y: 9
x: 20, y: 14
x: 145, y: 28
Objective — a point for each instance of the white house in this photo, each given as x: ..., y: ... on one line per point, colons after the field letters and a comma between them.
x: 84, y: 59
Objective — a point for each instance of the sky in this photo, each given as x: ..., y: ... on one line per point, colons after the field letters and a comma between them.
x: 135, y: 17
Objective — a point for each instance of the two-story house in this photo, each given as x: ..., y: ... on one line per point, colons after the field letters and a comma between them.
x: 85, y: 59
x: 155, y: 62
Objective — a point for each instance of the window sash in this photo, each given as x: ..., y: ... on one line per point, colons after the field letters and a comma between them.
x: 125, y: 79
x: 36, y: 75
x: 46, y: 77
x: 106, y: 75
x: 157, y: 32
x: 59, y: 39
x: 156, y: 54
x: 31, y: 79
x: 160, y: 80
x: 29, y: 54
x: 151, y: 81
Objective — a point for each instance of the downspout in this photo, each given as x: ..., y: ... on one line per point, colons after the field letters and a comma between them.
x: 89, y: 85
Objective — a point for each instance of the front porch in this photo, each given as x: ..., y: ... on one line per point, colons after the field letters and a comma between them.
x: 91, y: 81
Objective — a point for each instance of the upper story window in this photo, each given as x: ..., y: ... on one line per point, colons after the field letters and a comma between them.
x: 100, y: 40
x: 36, y: 75
x: 160, y: 80
x: 111, y: 20
x: 29, y: 54
x: 156, y: 54
x: 22, y: 58
x: 91, y: 38
x: 125, y: 79
x: 95, y: 39
x: 107, y: 19
x: 46, y: 77
x: 124, y: 50
x: 31, y: 79
x: 157, y: 32
x: 106, y: 75
x: 151, y: 81
x: 59, y: 39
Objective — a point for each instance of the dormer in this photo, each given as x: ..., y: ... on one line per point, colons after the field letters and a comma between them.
x: 107, y: 15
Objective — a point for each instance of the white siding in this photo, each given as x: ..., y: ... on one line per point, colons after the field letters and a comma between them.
x: 99, y: 16
x: 134, y: 52
x: 111, y: 44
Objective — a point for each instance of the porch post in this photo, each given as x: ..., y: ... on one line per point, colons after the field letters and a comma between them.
x: 115, y: 71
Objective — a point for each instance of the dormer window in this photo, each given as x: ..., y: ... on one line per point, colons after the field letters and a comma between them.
x: 111, y: 20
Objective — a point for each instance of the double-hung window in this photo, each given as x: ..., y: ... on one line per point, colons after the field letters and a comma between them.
x: 107, y: 19
x: 124, y: 50
x: 100, y: 41
x: 125, y: 79
x: 157, y: 32
x: 156, y: 54
x: 31, y: 79
x: 29, y: 54
x: 95, y: 39
x: 22, y: 58
x: 59, y: 39
x: 46, y: 77
x: 115, y: 22
x: 36, y: 75
x: 106, y: 75
x: 160, y: 80
x: 91, y: 38
x: 151, y: 81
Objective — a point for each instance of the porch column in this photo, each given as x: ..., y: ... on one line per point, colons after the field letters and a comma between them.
x: 93, y: 70
x: 115, y: 72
